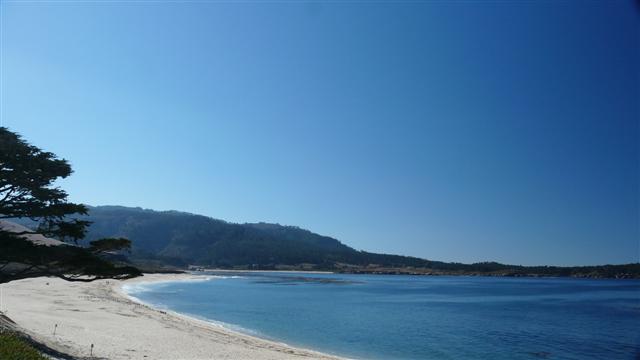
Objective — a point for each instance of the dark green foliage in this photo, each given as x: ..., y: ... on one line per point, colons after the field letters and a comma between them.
x: 109, y: 245
x: 22, y: 259
x: 27, y: 175
x: 12, y: 347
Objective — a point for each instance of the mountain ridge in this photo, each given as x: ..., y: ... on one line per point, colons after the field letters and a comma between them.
x: 182, y: 239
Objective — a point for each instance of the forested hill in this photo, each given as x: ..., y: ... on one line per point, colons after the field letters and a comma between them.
x: 181, y: 239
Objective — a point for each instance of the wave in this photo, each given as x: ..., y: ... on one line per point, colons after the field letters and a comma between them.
x: 144, y: 286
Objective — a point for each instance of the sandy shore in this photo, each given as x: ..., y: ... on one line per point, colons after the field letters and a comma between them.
x: 99, y: 313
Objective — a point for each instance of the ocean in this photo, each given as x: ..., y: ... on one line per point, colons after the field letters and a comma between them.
x: 417, y: 317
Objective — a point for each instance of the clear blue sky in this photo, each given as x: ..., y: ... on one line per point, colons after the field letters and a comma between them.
x: 456, y: 131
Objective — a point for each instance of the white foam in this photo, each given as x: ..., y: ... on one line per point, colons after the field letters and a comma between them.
x: 143, y: 286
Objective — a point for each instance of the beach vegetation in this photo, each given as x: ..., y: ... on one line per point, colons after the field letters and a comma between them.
x: 13, y: 347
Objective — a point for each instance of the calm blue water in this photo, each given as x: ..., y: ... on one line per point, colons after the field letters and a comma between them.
x: 419, y: 317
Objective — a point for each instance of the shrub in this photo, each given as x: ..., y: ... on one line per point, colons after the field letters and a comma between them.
x: 12, y: 347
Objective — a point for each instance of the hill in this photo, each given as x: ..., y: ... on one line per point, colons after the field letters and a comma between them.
x: 180, y: 239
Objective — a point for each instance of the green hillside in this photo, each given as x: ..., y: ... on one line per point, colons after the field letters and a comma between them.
x: 179, y: 239
x: 182, y: 238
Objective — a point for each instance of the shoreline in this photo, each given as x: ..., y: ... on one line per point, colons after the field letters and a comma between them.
x: 69, y: 317
x: 444, y: 274
x: 260, y: 271
x: 119, y: 288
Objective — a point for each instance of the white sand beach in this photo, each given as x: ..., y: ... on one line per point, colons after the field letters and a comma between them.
x: 99, y: 313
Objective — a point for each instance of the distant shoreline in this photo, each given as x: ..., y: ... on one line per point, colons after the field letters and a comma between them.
x: 521, y: 273
x: 269, y: 271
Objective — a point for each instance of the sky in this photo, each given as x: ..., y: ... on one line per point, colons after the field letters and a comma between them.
x: 456, y: 131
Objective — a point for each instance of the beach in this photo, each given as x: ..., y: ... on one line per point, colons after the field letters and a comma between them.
x: 71, y: 316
